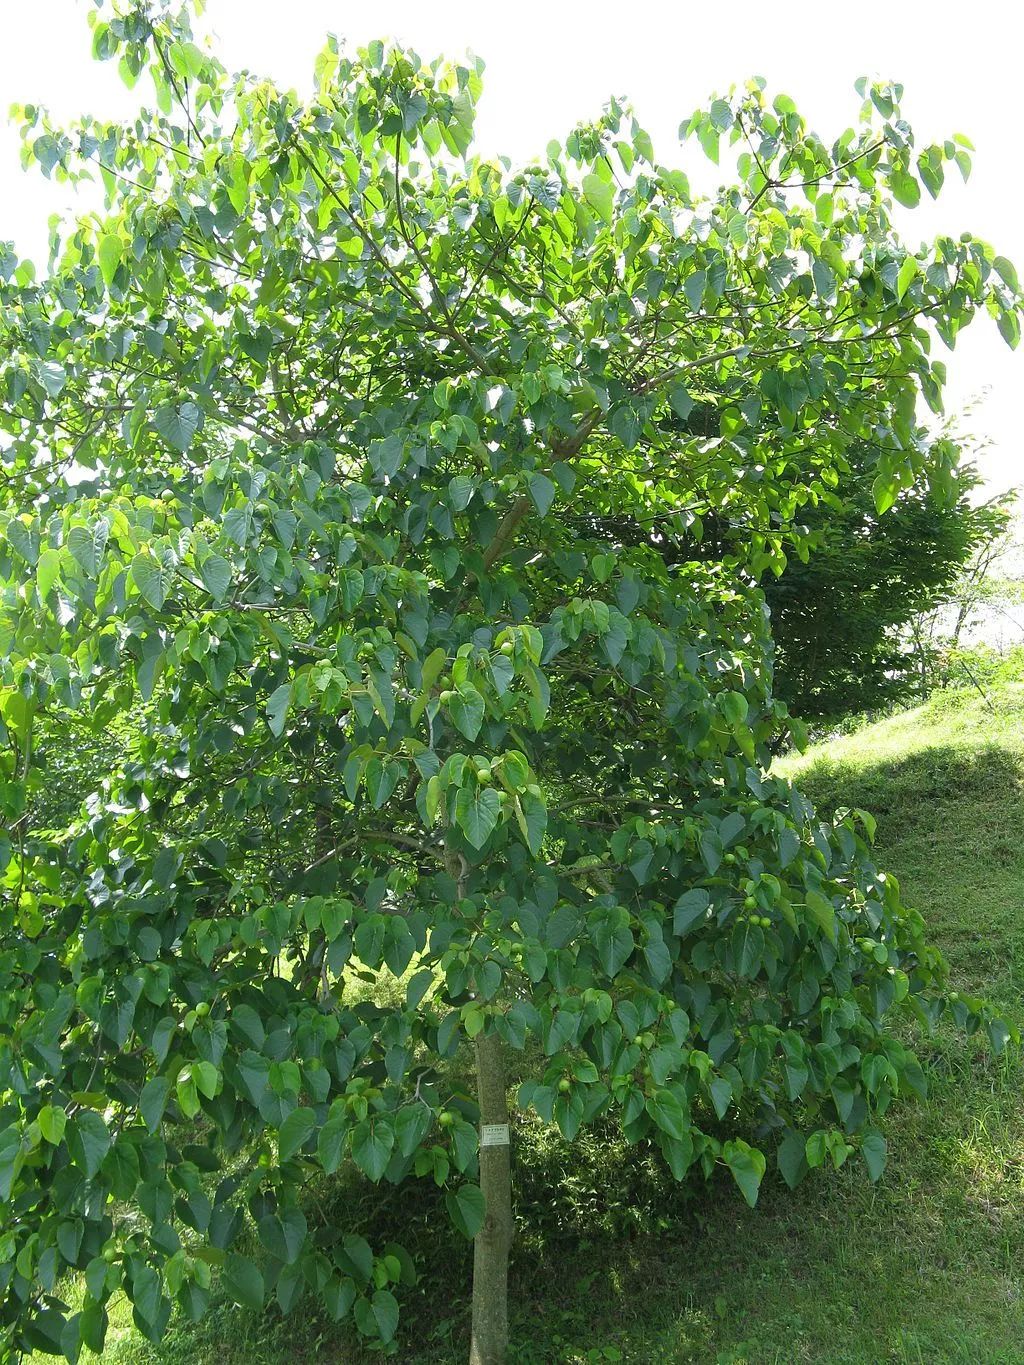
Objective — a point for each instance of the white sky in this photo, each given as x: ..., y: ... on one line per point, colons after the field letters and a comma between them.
x: 551, y: 63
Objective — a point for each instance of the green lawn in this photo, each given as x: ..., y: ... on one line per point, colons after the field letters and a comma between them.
x: 616, y: 1263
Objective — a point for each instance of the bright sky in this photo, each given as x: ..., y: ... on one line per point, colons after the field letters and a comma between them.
x: 552, y: 62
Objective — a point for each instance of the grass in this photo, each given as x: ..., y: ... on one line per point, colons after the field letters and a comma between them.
x: 615, y: 1262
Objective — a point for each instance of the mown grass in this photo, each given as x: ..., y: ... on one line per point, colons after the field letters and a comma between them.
x: 615, y: 1262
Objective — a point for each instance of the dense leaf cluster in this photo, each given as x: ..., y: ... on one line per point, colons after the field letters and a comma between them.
x: 298, y: 443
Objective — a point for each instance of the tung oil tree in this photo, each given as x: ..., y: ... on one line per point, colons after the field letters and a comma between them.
x: 314, y: 679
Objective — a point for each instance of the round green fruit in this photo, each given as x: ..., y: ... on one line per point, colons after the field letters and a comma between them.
x: 446, y: 1118
x: 202, y: 1010
x: 564, y: 1086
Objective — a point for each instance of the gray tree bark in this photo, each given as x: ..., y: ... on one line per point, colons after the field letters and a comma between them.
x: 489, y: 1345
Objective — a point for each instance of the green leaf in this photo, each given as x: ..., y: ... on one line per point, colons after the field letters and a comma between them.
x: 177, y: 424
x: 277, y: 708
x: 244, y: 1282
x: 89, y: 1138
x: 356, y: 1258
x: 467, y: 1209
x: 284, y: 1234
x: 11, y: 1159
x: 384, y: 1306
x: 109, y: 252
x: 542, y: 491
x: 669, y: 1114
x: 295, y: 1130
x: 330, y: 1143
x: 874, y: 1149
x: 372, y: 1142
x: 626, y: 424
x: 152, y: 577
x: 792, y: 1159
x: 53, y: 377
x: 23, y: 539
x: 460, y: 492
x: 905, y: 188
x: 747, y: 1165
x: 1007, y: 272
x: 47, y: 572
x: 87, y: 544
x: 822, y: 912
x: 613, y: 943
x: 477, y: 810
x: 1008, y: 323
x: 532, y: 818
x: 733, y: 706
x: 693, y: 287
x: 52, y: 1121
x: 690, y: 909
x: 466, y: 708
x: 885, y: 492
x: 187, y: 1093
x: 153, y: 1101
x: 215, y: 571
x: 206, y: 1077
x: 237, y: 524
x: 600, y: 195
x: 680, y: 401
x: 907, y: 273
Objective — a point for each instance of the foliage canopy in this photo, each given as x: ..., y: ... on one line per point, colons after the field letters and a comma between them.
x: 306, y: 443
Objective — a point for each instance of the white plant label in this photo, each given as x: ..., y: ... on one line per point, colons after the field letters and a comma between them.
x: 494, y: 1135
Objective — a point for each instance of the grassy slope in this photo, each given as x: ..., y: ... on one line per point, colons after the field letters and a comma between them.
x: 926, y: 1266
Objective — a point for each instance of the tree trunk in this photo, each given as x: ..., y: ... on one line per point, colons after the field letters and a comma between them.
x: 489, y: 1343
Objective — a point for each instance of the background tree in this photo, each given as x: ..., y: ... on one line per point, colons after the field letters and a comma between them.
x: 853, y: 613
x: 294, y: 435
x: 844, y: 622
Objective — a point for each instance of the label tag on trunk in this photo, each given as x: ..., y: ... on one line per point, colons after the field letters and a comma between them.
x: 494, y: 1135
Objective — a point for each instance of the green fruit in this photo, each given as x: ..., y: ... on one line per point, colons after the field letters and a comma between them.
x: 750, y: 903
x: 202, y: 1010
x: 446, y: 1118
x: 483, y: 776
x: 507, y: 648
x: 729, y: 858
x: 110, y: 1254
x: 564, y: 1086
x: 447, y: 695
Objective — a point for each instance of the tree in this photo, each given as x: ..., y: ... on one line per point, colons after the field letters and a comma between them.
x: 294, y: 437
x: 845, y: 623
